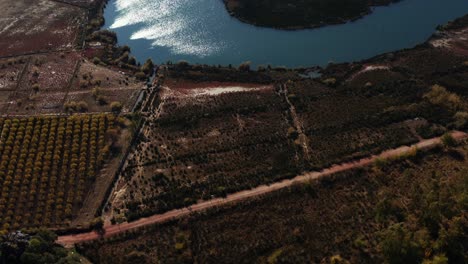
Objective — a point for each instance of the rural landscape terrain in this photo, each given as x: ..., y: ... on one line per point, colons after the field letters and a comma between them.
x: 107, y: 159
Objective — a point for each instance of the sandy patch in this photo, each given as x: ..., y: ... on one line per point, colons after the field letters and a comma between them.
x: 369, y: 68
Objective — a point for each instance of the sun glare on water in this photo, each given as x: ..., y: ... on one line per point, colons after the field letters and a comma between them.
x: 165, y: 23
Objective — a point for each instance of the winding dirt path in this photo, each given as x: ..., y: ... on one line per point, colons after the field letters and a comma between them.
x: 111, y: 230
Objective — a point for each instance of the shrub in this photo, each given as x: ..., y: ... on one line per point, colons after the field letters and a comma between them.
x: 330, y: 81
x: 398, y: 247
x: 438, y: 259
x: 96, y: 92
x: 441, y: 97
x: 96, y: 61
x: 337, y: 259
x: 82, y: 106
x: 245, y: 66
x: 141, y: 76
x: 101, y: 100
x: 448, y: 140
x: 461, y: 120
x: 116, y: 107
x: 132, y: 61
x: 36, y: 87
x: 148, y: 67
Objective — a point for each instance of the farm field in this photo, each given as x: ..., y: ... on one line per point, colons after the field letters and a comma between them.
x: 99, y: 86
x: 47, y: 166
x: 355, y: 216
x: 63, y: 82
x: 40, y: 26
x: 199, y: 144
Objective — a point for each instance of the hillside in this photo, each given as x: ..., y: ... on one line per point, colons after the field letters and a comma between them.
x: 297, y: 14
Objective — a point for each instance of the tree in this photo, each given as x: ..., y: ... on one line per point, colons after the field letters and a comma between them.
x: 12, y: 246
x: 245, y: 66
x: 398, y: 247
x: 36, y: 87
x: 116, y: 107
x: 140, y: 76
x: 97, y: 225
x: 82, y: 106
x: 148, y: 67
x: 38, y: 249
x: 461, y: 120
x: 439, y: 259
x: 441, y: 97
x: 453, y: 239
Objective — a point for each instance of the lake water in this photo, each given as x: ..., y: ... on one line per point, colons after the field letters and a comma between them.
x: 201, y: 31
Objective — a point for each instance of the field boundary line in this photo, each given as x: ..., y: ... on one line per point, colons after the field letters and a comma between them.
x: 18, y: 83
x: 71, y: 4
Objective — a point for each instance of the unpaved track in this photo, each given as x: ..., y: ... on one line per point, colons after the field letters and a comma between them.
x: 111, y: 230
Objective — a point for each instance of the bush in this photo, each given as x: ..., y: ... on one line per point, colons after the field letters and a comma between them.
x: 330, y: 82
x: 36, y: 87
x: 96, y: 92
x: 245, y: 66
x: 438, y: 259
x: 82, y: 106
x: 448, y: 140
x: 461, y: 120
x: 101, y: 100
x: 96, y: 61
x: 116, y: 107
x: 398, y: 247
x: 441, y: 97
x: 141, y: 76
x: 148, y: 67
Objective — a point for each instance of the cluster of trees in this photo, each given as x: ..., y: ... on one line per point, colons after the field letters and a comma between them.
x: 38, y: 248
x: 207, y: 73
x: 47, y: 165
x: 119, y: 55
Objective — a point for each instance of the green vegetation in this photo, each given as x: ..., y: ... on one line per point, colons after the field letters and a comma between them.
x: 116, y: 107
x: 439, y: 95
x: 39, y: 248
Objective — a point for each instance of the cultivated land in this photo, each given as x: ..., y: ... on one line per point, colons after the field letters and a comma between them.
x: 47, y: 166
x: 42, y: 25
x: 57, y: 167
x: 300, y: 14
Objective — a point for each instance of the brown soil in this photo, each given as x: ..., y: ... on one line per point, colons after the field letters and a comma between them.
x: 42, y: 26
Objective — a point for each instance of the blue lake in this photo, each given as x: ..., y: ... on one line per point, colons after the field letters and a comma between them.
x: 201, y: 31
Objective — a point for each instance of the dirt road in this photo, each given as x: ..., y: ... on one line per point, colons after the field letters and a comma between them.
x: 111, y: 230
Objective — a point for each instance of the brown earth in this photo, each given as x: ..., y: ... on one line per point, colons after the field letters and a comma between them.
x: 38, y: 26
